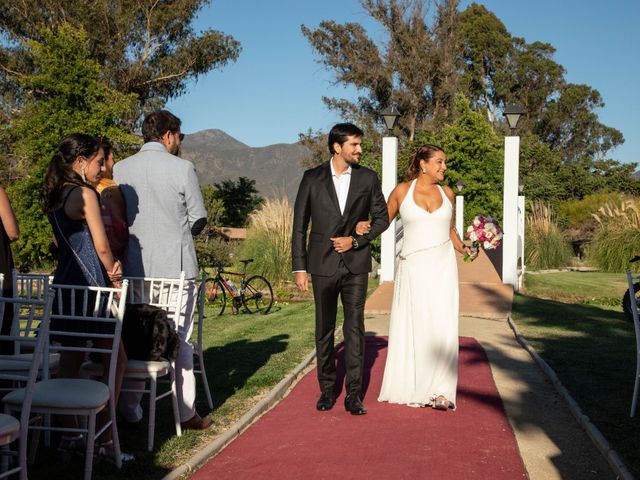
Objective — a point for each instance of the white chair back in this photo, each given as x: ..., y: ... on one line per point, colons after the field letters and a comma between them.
x: 82, y: 315
x: 30, y: 285
x: 165, y: 293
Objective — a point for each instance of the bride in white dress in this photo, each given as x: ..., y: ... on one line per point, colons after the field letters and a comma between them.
x: 422, y: 358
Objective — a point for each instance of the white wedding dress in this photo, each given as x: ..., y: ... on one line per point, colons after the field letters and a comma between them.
x: 422, y: 357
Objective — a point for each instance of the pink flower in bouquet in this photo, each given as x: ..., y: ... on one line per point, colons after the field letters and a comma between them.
x: 484, y: 232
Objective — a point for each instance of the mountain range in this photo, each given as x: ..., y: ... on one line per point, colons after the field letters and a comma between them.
x: 218, y: 156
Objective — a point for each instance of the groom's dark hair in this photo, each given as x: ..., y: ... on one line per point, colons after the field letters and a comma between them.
x: 340, y: 132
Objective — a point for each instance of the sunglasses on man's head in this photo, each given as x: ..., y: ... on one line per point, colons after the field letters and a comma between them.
x: 181, y: 136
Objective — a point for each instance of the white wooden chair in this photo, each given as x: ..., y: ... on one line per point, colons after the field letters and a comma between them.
x: 165, y: 293
x: 31, y: 286
x: 198, y: 354
x: 10, y: 428
x: 632, y: 279
x: 83, y: 309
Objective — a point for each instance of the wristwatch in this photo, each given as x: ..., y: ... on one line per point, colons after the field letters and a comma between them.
x: 354, y: 242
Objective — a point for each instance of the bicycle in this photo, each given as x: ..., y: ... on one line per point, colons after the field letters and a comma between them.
x: 254, y: 294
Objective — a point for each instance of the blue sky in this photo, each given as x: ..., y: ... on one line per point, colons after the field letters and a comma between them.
x: 274, y: 90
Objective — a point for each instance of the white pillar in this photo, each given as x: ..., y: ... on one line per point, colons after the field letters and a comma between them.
x: 460, y: 216
x: 510, y: 212
x: 521, y: 265
x: 389, y: 179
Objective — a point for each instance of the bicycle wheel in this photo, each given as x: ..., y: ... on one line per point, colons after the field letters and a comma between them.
x: 215, y: 296
x: 626, y: 301
x: 258, y: 295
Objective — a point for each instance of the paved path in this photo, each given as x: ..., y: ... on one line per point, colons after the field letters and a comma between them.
x: 482, y: 294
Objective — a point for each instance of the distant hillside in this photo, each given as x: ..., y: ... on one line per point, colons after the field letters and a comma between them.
x: 218, y: 156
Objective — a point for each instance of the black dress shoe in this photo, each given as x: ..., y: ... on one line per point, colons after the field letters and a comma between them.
x: 353, y: 405
x: 326, y: 401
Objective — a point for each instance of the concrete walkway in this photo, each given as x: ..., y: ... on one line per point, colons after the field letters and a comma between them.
x: 482, y: 293
x: 552, y: 443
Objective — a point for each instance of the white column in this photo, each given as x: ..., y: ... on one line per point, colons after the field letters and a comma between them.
x: 460, y: 216
x: 510, y: 212
x: 389, y: 179
x: 521, y: 265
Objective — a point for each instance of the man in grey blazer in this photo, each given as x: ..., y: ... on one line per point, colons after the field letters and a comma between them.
x: 164, y: 211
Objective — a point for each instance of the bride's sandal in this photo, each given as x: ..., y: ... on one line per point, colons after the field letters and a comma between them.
x: 106, y: 451
x: 441, y: 403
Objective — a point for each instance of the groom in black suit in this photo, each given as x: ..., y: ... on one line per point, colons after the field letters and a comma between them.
x: 334, y: 197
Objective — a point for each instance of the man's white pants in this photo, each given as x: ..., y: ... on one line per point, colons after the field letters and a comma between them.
x: 129, y: 404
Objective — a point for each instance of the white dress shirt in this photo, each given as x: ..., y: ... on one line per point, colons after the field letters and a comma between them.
x: 341, y: 183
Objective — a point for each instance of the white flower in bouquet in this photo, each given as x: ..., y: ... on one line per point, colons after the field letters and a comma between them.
x: 484, y: 232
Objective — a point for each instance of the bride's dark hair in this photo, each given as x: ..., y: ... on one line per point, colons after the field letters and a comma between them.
x: 60, y: 171
x: 425, y: 152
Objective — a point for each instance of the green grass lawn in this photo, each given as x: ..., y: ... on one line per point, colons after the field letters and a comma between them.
x: 578, y: 287
x: 245, y: 357
x: 590, y: 346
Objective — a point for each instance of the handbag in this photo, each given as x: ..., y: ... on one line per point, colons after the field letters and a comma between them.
x: 148, y: 334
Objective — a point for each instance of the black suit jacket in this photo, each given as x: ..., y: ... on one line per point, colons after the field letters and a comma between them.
x: 317, y: 202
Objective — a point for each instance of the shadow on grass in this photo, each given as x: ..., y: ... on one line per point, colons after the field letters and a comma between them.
x: 230, y: 366
x: 593, y: 351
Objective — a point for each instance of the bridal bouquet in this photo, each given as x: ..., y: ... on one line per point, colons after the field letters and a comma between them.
x: 484, y: 232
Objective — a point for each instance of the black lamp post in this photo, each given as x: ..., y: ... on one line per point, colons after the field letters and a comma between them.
x: 460, y: 185
x: 513, y: 113
x: 390, y: 115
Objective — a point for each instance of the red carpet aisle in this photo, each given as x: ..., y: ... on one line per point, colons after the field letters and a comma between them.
x: 294, y: 441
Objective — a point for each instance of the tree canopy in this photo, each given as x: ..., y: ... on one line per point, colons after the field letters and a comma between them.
x: 239, y: 198
x: 145, y: 47
x: 90, y: 66
x: 67, y: 97
x: 430, y: 52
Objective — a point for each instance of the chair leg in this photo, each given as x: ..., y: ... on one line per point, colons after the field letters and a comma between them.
x: 174, y: 401
x: 634, y: 401
x: 47, y: 432
x: 22, y: 451
x: 91, y: 440
x: 203, y: 373
x: 4, y: 462
x: 35, y: 440
x: 153, y: 387
x: 114, y: 434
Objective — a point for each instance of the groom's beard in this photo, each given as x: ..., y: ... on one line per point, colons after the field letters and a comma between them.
x: 353, y: 161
